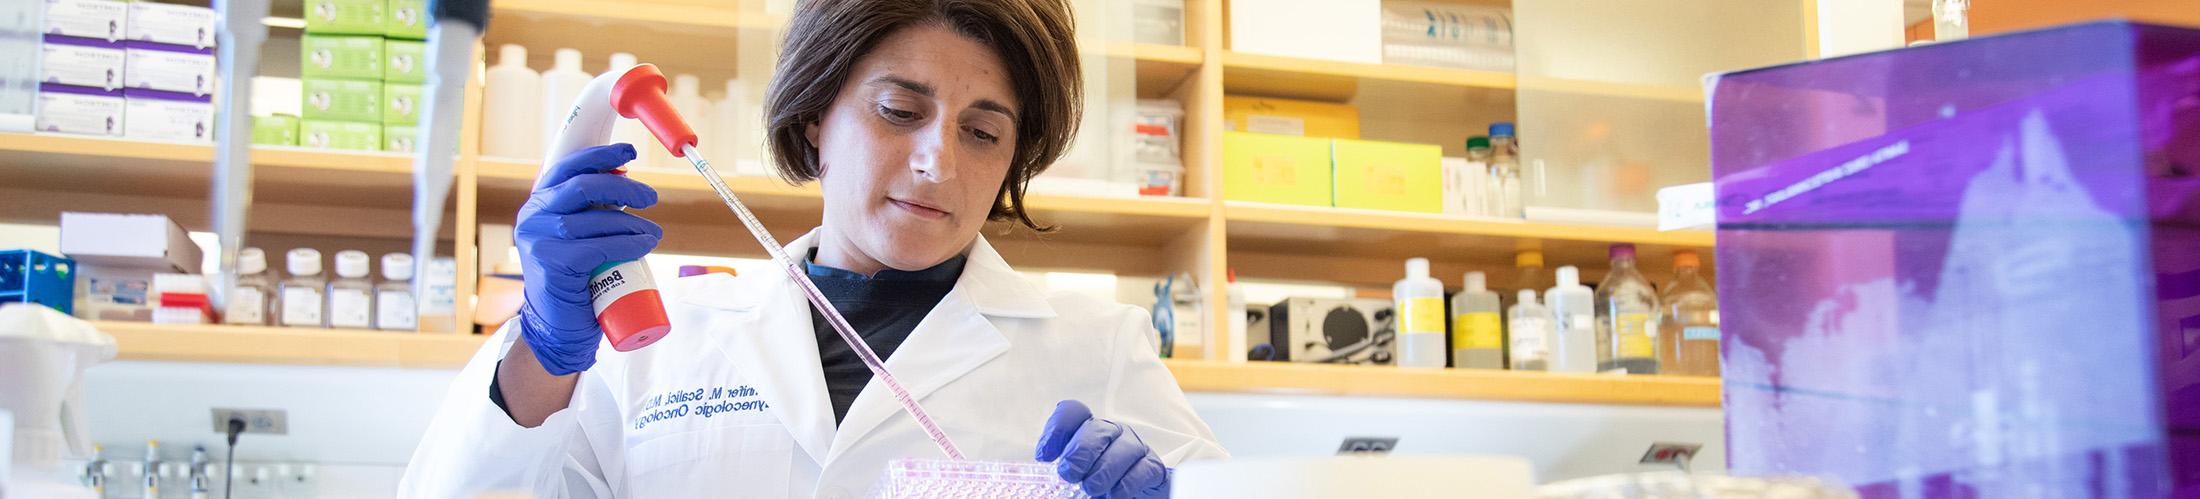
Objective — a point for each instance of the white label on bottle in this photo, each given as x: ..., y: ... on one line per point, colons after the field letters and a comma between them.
x: 609, y: 286
x: 1700, y: 333
x: 395, y: 310
x: 302, y: 306
x: 247, y: 305
x: 350, y: 308
x: 1530, y: 339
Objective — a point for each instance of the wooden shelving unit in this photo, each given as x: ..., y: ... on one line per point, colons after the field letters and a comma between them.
x: 355, y: 196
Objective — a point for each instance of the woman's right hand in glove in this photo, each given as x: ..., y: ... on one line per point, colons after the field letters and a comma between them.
x: 566, y: 230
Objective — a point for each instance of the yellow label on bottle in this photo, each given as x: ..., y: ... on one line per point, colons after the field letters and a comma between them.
x: 1477, y: 330
x: 1633, y: 331
x: 1422, y: 315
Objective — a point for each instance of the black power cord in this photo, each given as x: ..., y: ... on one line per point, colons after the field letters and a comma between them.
x: 229, y: 469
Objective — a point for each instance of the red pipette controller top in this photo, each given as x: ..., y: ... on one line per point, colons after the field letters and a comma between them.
x: 640, y: 95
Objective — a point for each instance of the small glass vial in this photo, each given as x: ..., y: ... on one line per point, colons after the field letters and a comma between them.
x: 351, y: 295
x: 394, y: 307
x: 248, y: 302
x: 301, y: 297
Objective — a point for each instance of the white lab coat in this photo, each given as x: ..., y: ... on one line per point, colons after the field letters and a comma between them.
x: 989, y: 363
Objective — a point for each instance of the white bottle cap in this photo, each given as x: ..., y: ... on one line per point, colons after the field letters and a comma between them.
x: 251, y: 261
x: 1476, y: 282
x: 303, y: 262
x: 1568, y: 276
x: 512, y: 54
x: 687, y: 85
x: 569, y: 60
x: 1416, y: 267
x: 1527, y: 296
x: 351, y: 264
x: 397, y: 267
x: 622, y: 60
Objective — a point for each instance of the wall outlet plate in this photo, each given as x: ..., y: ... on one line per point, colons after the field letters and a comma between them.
x: 268, y: 421
x: 1367, y: 445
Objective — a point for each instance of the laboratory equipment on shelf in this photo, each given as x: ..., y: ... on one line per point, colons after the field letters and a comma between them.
x: 1477, y: 326
x: 1420, y: 310
x: 1573, y: 323
x: 1688, y: 327
x: 1505, y: 181
x: 1626, y: 314
x: 43, y: 354
x: 394, y: 306
x: 249, y: 299
x: 1528, y: 327
x: 301, y: 298
x: 560, y: 85
x: 511, y: 107
x: 350, y: 294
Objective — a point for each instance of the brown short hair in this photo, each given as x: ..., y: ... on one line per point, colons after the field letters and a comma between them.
x: 1035, y: 40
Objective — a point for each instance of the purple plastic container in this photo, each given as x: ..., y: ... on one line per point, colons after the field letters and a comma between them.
x: 1967, y: 269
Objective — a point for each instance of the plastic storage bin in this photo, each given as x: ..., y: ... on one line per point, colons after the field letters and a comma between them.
x: 34, y: 277
x: 1967, y: 269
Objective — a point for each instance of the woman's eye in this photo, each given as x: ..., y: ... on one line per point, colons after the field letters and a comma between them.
x: 897, y: 115
x: 988, y: 137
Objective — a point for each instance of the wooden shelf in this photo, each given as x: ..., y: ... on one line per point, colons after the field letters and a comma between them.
x: 278, y: 345
x: 1161, y: 68
x: 1675, y: 93
x: 53, y: 162
x: 1363, y: 247
x: 1260, y: 74
x: 1282, y: 378
x: 361, y: 348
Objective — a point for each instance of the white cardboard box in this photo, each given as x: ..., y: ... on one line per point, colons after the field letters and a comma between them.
x: 79, y: 110
x: 83, y: 62
x: 128, y: 241
x: 101, y: 19
x: 186, y: 25
x: 155, y: 115
x: 1340, y: 30
x: 168, y: 68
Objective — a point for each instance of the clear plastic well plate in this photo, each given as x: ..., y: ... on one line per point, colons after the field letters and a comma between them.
x: 943, y: 478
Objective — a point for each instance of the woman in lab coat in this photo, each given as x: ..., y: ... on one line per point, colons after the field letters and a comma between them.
x: 921, y: 120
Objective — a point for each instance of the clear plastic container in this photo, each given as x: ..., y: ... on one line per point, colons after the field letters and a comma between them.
x: 301, y: 301
x: 248, y: 303
x: 1688, y: 331
x: 350, y: 294
x: 394, y: 306
x: 942, y: 478
x: 1627, y: 312
x: 1528, y: 333
x: 1448, y: 35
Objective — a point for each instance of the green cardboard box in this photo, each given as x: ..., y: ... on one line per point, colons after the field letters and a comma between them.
x: 343, y: 100
x: 1270, y: 168
x: 402, y: 61
x: 408, y: 19
x: 399, y: 138
x: 340, y: 56
x: 346, y: 135
x: 275, y: 130
x: 347, y: 17
x: 1389, y: 176
x: 401, y: 104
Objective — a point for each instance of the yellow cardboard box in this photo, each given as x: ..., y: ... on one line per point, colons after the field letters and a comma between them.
x: 1271, y: 168
x: 1291, y: 117
x: 1389, y: 176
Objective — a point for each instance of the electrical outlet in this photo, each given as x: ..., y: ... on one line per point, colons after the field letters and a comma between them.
x: 269, y: 421
x: 1367, y: 445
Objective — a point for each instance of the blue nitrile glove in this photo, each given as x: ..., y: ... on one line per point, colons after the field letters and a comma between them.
x: 1104, y: 457
x: 564, y: 233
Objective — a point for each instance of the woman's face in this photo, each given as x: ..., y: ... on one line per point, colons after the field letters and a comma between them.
x: 913, y: 151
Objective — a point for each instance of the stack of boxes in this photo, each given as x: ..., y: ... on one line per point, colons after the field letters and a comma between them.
x: 362, y: 68
x: 1308, y: 153
x: 140, y: 70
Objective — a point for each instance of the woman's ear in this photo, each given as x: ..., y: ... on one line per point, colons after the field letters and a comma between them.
x: 810, y: 132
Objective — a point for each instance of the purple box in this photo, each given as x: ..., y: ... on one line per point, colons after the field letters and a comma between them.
x: 1968, y: 269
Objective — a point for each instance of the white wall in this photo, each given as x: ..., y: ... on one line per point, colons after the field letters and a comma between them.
x: 359, y: 425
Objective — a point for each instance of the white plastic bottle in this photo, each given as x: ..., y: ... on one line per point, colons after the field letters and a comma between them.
x: 300, y: 298
x: 394, y: 307
x: 1477, y: 326
x: 512, y: 107
x: 1627, y: 312
x: 687, y: 98
x: 1530, y: 334
x: 1419, y: 302
x: 725, y: 126
x: 248, y: 302
x: 1238, y: 343
x: 647, y: 153
x: 351, y: 295
x: 1573, y: 315
x: 560, y: 85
